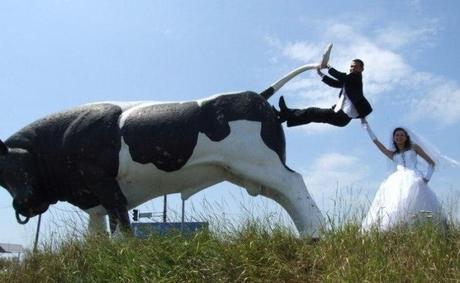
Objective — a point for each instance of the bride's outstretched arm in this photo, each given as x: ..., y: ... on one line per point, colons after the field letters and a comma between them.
x: 388, y: 153
x: 428, y: 159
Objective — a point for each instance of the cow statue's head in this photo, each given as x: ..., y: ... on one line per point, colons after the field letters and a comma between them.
x: 18, y: 176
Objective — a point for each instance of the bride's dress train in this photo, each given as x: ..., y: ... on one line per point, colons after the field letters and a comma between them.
x: 403, y: 197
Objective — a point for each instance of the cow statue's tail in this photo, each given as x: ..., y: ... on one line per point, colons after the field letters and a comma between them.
x: 277, y: 85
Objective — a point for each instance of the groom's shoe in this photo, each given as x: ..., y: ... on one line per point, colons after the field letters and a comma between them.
x: 279, y: 118
x: 284, y: 110
x: 282, y: 104
x: 294, y: 117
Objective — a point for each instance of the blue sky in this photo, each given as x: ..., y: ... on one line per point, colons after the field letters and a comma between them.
x: 59, y: 54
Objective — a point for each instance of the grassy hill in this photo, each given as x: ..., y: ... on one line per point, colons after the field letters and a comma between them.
x: 252, y: 253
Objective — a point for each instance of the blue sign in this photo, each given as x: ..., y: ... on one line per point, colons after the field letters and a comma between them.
x: 143, y: 230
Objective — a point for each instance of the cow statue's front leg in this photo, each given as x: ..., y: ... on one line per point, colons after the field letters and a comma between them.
x: 97, y: 223
x: 113, y: 222
x: 110, y: 196
x: 118, y: 215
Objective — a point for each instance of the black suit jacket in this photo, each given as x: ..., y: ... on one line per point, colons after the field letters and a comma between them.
x: 352, y: 86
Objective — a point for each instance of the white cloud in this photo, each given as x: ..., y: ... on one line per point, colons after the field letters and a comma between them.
x: 415, y: 5
x: 302, y: 51
x: 316, y: 128
x: 384, y: 69
x: 336, y: 175
x: 422, y: 81
x: 334, y: 161
x: 327, y: 170
x: 301, y: 84
x: 442, y: 103
x: 310, y: 92
x: 398, y: 35
x: 343, y: 32
x: 273, y: 41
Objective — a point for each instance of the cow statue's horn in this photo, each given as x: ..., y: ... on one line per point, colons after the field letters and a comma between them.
x: 20, y: 221
x: 281, y: 82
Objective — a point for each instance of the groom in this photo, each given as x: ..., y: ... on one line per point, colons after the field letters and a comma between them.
x: 351, y: 103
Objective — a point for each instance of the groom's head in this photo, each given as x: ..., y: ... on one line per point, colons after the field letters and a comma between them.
x: 356, y: 66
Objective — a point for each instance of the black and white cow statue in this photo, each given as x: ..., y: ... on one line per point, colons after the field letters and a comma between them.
x: 109, y: 157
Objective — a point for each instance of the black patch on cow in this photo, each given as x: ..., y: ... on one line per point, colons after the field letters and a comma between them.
x: 65, y: 144
x: 166, y: 134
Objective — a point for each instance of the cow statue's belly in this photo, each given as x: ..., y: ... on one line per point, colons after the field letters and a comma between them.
x: 236, y: 156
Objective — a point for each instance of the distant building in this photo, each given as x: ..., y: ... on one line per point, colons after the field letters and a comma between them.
x: 11, y: 248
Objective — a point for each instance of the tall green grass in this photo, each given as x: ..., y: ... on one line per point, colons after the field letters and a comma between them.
x: 251, y: 249
x: 252, y: 253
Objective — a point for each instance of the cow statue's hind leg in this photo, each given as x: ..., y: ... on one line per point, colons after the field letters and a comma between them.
x: 251, y: 164
x: 285, y: 187
x: 292, y: 194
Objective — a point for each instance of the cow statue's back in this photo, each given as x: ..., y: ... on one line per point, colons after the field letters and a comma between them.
x: 109, y: 157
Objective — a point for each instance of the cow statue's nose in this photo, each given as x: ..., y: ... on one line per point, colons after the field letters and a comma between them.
x: 20, y: 221
x: 19, y: 209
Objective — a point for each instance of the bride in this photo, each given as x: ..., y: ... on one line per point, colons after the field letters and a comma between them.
x: 404, y: 197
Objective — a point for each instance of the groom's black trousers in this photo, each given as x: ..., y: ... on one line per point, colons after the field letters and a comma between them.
x: 296, y: 117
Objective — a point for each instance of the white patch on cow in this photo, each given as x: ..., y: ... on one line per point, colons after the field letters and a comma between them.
x: 124, y: 105
x: 129, y: 109
x: 127, y: 112
x: 201, y: 101
x: 241, y: 158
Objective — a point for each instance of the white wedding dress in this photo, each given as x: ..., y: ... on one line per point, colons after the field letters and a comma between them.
x: 403, y: 197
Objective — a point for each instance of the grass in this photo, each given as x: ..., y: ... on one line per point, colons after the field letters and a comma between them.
x: 254, y: 252
x: 251, y: 249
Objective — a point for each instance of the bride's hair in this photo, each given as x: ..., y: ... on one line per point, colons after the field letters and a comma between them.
x: 408, y: 144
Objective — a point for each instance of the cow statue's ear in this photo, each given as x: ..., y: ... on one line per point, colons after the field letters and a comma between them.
x: 3, y: 148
